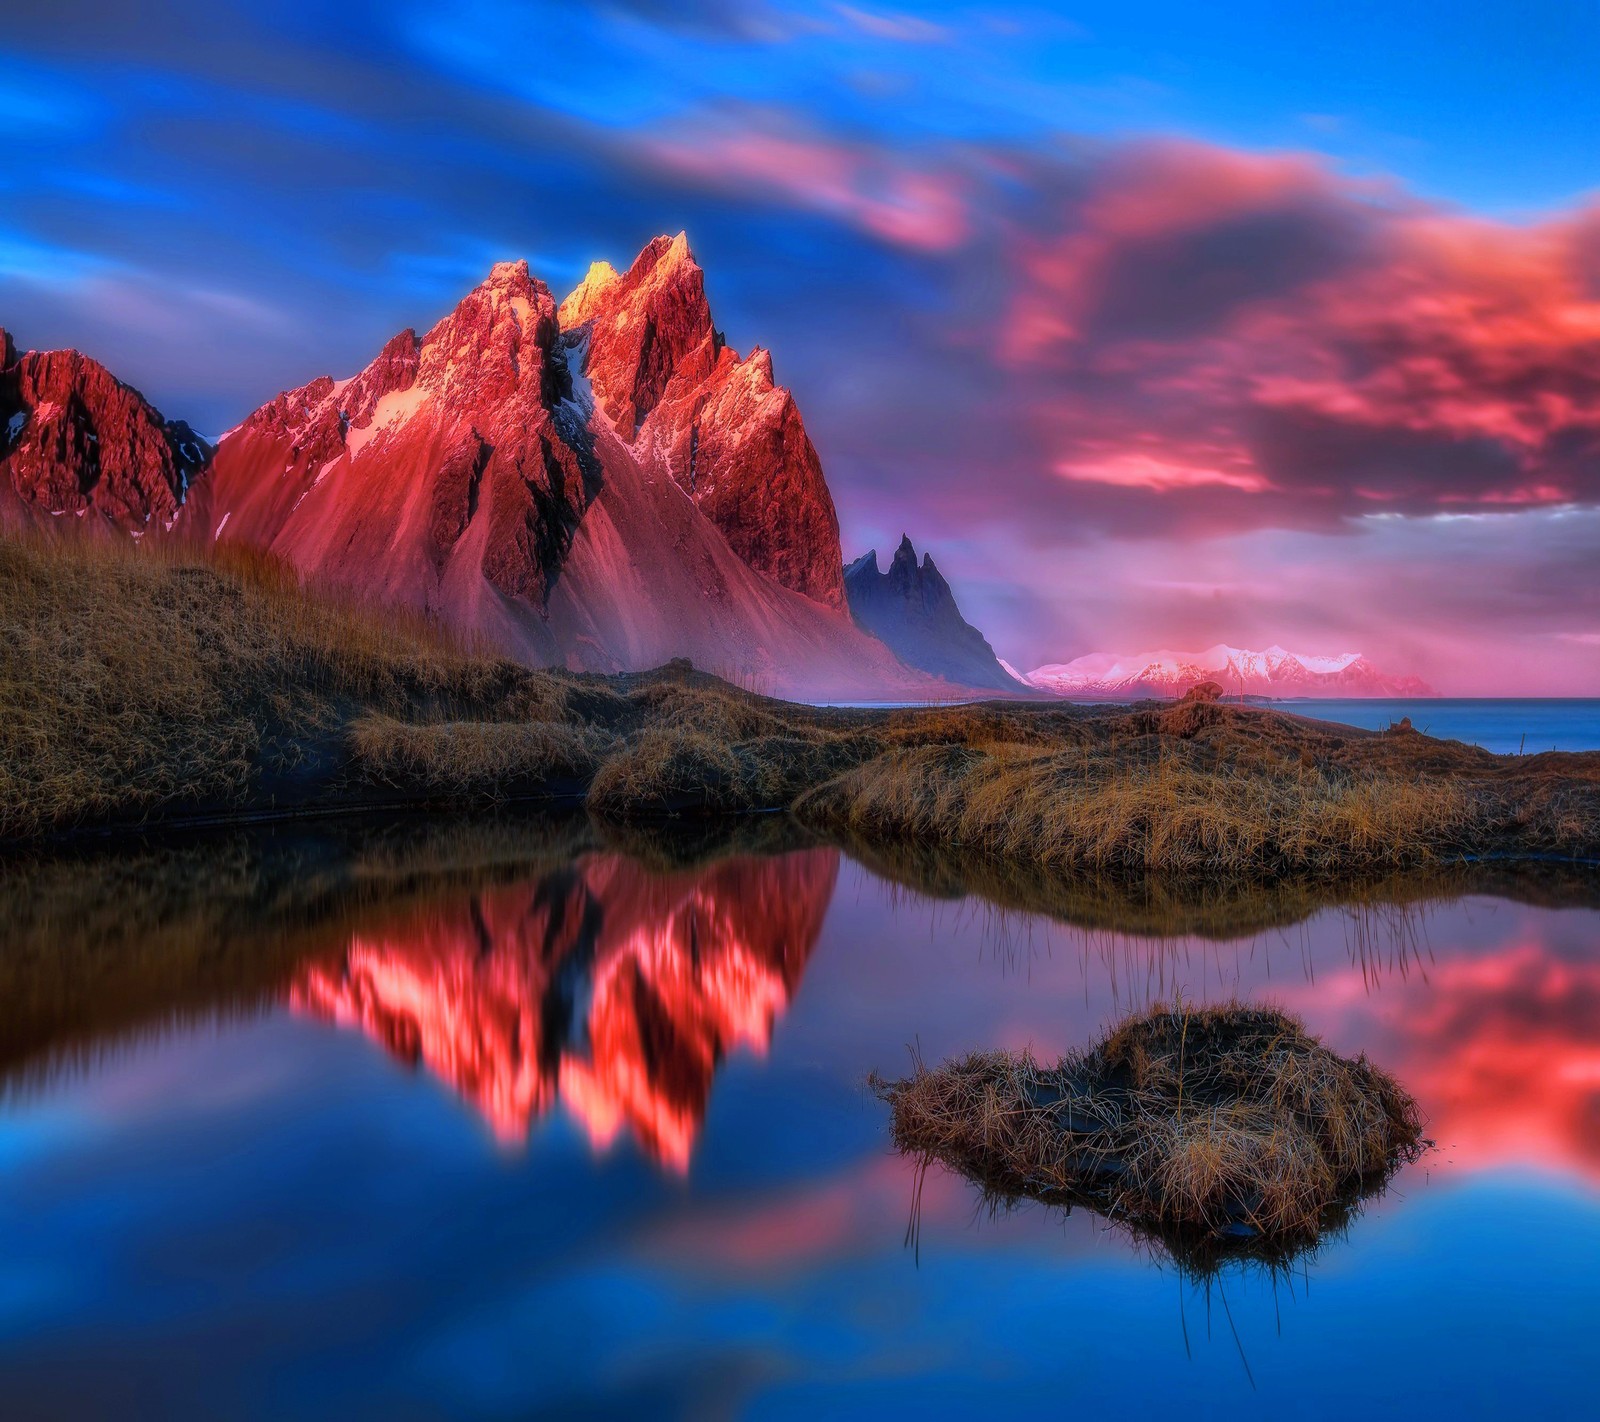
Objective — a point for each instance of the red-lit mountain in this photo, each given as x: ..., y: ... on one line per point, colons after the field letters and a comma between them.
x: 602, y: 485
x: 1274, y: 672
x: 608, y: 988
x: 75, y: 441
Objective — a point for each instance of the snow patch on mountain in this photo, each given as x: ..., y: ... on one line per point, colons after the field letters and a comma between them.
x: 391, y: 411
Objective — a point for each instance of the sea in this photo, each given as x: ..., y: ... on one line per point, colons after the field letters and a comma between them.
x: 1506, y: 726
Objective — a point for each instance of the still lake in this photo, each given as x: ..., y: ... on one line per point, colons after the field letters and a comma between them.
x: 489, y: 1122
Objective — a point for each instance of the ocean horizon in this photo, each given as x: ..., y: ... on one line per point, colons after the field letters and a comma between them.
x: 1522, y: 725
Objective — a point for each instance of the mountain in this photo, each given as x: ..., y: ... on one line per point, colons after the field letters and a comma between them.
x: 613, y: 991
x: 75, y: 441
x: 912, y: 610
x: 602, y: 484
x: 1274, y: 672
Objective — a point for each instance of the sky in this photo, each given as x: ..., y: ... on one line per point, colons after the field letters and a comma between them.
x: 1159, y: 325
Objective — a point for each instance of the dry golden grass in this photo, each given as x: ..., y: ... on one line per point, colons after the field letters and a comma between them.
x: 482, y: 759
x: 135, y: 683
x: 151, y: 684
x: 1218, y: 1132
x: 667, y: 771
x: 1084, y: 809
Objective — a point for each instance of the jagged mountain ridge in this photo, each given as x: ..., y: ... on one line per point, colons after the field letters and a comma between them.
x: 912, y: 609
x: 603, y: 493
x: 75, y: 441
x: 1274, y: 672
x: 602, y: 485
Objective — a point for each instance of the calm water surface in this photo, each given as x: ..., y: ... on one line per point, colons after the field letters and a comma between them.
x: 524, y: 1130
x: 1505, y: 726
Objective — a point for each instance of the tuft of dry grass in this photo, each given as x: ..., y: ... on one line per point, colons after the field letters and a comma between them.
x: 669, y: 771
x: 1218, y: 1132
x: 479, y: 760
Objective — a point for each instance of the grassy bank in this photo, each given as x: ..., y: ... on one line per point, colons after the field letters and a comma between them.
x: 138, y: 686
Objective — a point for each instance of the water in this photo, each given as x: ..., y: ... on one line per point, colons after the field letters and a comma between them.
x: 485, y: 1123
x: 1505, y: 726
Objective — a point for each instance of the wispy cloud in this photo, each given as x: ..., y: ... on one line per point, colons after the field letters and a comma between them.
x: 897, y: 26
x: 880, y: 193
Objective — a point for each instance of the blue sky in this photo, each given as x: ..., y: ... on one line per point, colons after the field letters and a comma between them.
x: 1104, y: 304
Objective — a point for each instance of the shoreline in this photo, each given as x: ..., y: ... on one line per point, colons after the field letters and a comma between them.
x: 217, y: 692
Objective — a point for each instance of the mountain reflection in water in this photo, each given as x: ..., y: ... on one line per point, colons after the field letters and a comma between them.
x: 603, y: 985
x: 218, y: 1201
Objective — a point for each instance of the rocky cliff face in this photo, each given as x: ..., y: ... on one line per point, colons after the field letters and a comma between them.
x: 75, y: 442
x: 912, y: 610
x: 449, y: 474
x: 693, y: 411
x: 604, y: 485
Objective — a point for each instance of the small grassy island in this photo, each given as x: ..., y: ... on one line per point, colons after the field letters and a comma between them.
x: 1218, y: 1133
x: 144, y: 686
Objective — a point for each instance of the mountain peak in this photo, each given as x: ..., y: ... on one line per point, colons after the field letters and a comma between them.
x: 912, y: 609
x: 642, y: 327
x: 75, y: 440
x: 663, y: 253
x: 586, y: 296
x: 514, y: 275
x: 1273, y: 672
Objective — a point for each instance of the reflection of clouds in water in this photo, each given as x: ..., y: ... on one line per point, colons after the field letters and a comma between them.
x: 1487, y: 1010
x: 1503, y: 1049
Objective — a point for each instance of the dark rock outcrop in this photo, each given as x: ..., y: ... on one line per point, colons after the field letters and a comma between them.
x: 912, y: 610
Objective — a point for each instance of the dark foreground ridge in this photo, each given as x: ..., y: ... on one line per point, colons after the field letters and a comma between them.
x: 147, y: 685
x: 1219, y: 1133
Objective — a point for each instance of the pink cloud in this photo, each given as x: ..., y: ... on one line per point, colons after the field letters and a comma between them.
x: 1337, y: 342
x: 1131, y: 469
x: 904, y: 205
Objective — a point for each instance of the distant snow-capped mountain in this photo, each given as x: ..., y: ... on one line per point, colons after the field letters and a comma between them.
x: 1274, y: 672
